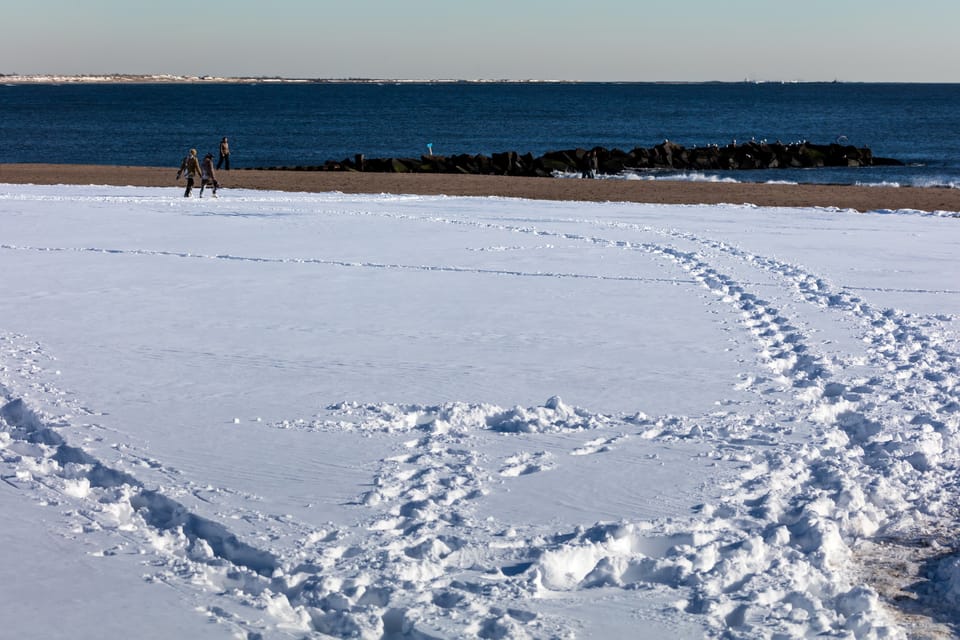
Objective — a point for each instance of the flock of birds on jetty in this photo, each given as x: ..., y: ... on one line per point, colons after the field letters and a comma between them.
x: 599, y: 160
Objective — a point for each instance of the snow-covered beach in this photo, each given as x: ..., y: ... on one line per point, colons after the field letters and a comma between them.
x: 692, y: 188
x: 287, y: 415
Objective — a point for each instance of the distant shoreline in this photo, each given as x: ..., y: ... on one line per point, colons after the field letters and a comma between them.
x: 123, y: 78
x: 857, y: 198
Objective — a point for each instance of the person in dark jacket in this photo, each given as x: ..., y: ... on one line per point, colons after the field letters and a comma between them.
x: 190, y: 167
x: 588, y: 166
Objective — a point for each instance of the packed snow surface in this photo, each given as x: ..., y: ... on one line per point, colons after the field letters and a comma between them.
x: 300, y: 416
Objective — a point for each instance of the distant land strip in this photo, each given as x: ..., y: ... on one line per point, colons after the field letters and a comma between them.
x: 121, y: 78
x: 133, y: 78
x: 12, y: 79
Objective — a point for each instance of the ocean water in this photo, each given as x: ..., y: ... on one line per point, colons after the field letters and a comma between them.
x: 285, y: 124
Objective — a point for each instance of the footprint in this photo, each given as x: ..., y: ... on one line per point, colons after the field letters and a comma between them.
x: 522, y: 464
x: 597, y: 445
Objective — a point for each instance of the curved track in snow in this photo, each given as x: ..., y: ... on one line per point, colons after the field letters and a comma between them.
x: 836, y: 451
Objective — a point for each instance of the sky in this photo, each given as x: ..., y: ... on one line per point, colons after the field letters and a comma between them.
x: 602, y: 40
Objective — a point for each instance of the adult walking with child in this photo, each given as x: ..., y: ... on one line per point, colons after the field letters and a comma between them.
x: 207, y: 175
x: 190, y: 167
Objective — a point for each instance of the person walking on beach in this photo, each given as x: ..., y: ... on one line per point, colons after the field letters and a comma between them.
x: 190, y: 167
x: 224, y: 155
x: 207, y: 175
x: 589, y: 164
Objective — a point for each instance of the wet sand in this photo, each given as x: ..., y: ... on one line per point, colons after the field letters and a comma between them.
x: 659, y: 191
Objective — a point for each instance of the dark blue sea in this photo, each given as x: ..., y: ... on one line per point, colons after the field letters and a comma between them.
x: 285, y: 124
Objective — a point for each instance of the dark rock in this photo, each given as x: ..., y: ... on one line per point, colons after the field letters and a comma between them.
x: 666, y: 155
x: 885, y: 162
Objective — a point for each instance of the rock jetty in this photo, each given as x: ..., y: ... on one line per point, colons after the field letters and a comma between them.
x: 665, y: 156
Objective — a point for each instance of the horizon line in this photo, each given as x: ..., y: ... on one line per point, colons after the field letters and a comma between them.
x: 174, y: 78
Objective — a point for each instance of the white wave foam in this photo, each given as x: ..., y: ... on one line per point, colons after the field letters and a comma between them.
x: 681, y: 177
x: 877, y: 184
x: 936, y: 182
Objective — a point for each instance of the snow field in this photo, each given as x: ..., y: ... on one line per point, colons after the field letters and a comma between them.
x: 382, y: 416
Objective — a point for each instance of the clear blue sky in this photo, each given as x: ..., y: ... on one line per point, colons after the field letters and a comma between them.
x: 608, y: 40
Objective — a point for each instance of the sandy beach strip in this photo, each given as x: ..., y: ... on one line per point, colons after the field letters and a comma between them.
x: 652, y: 191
